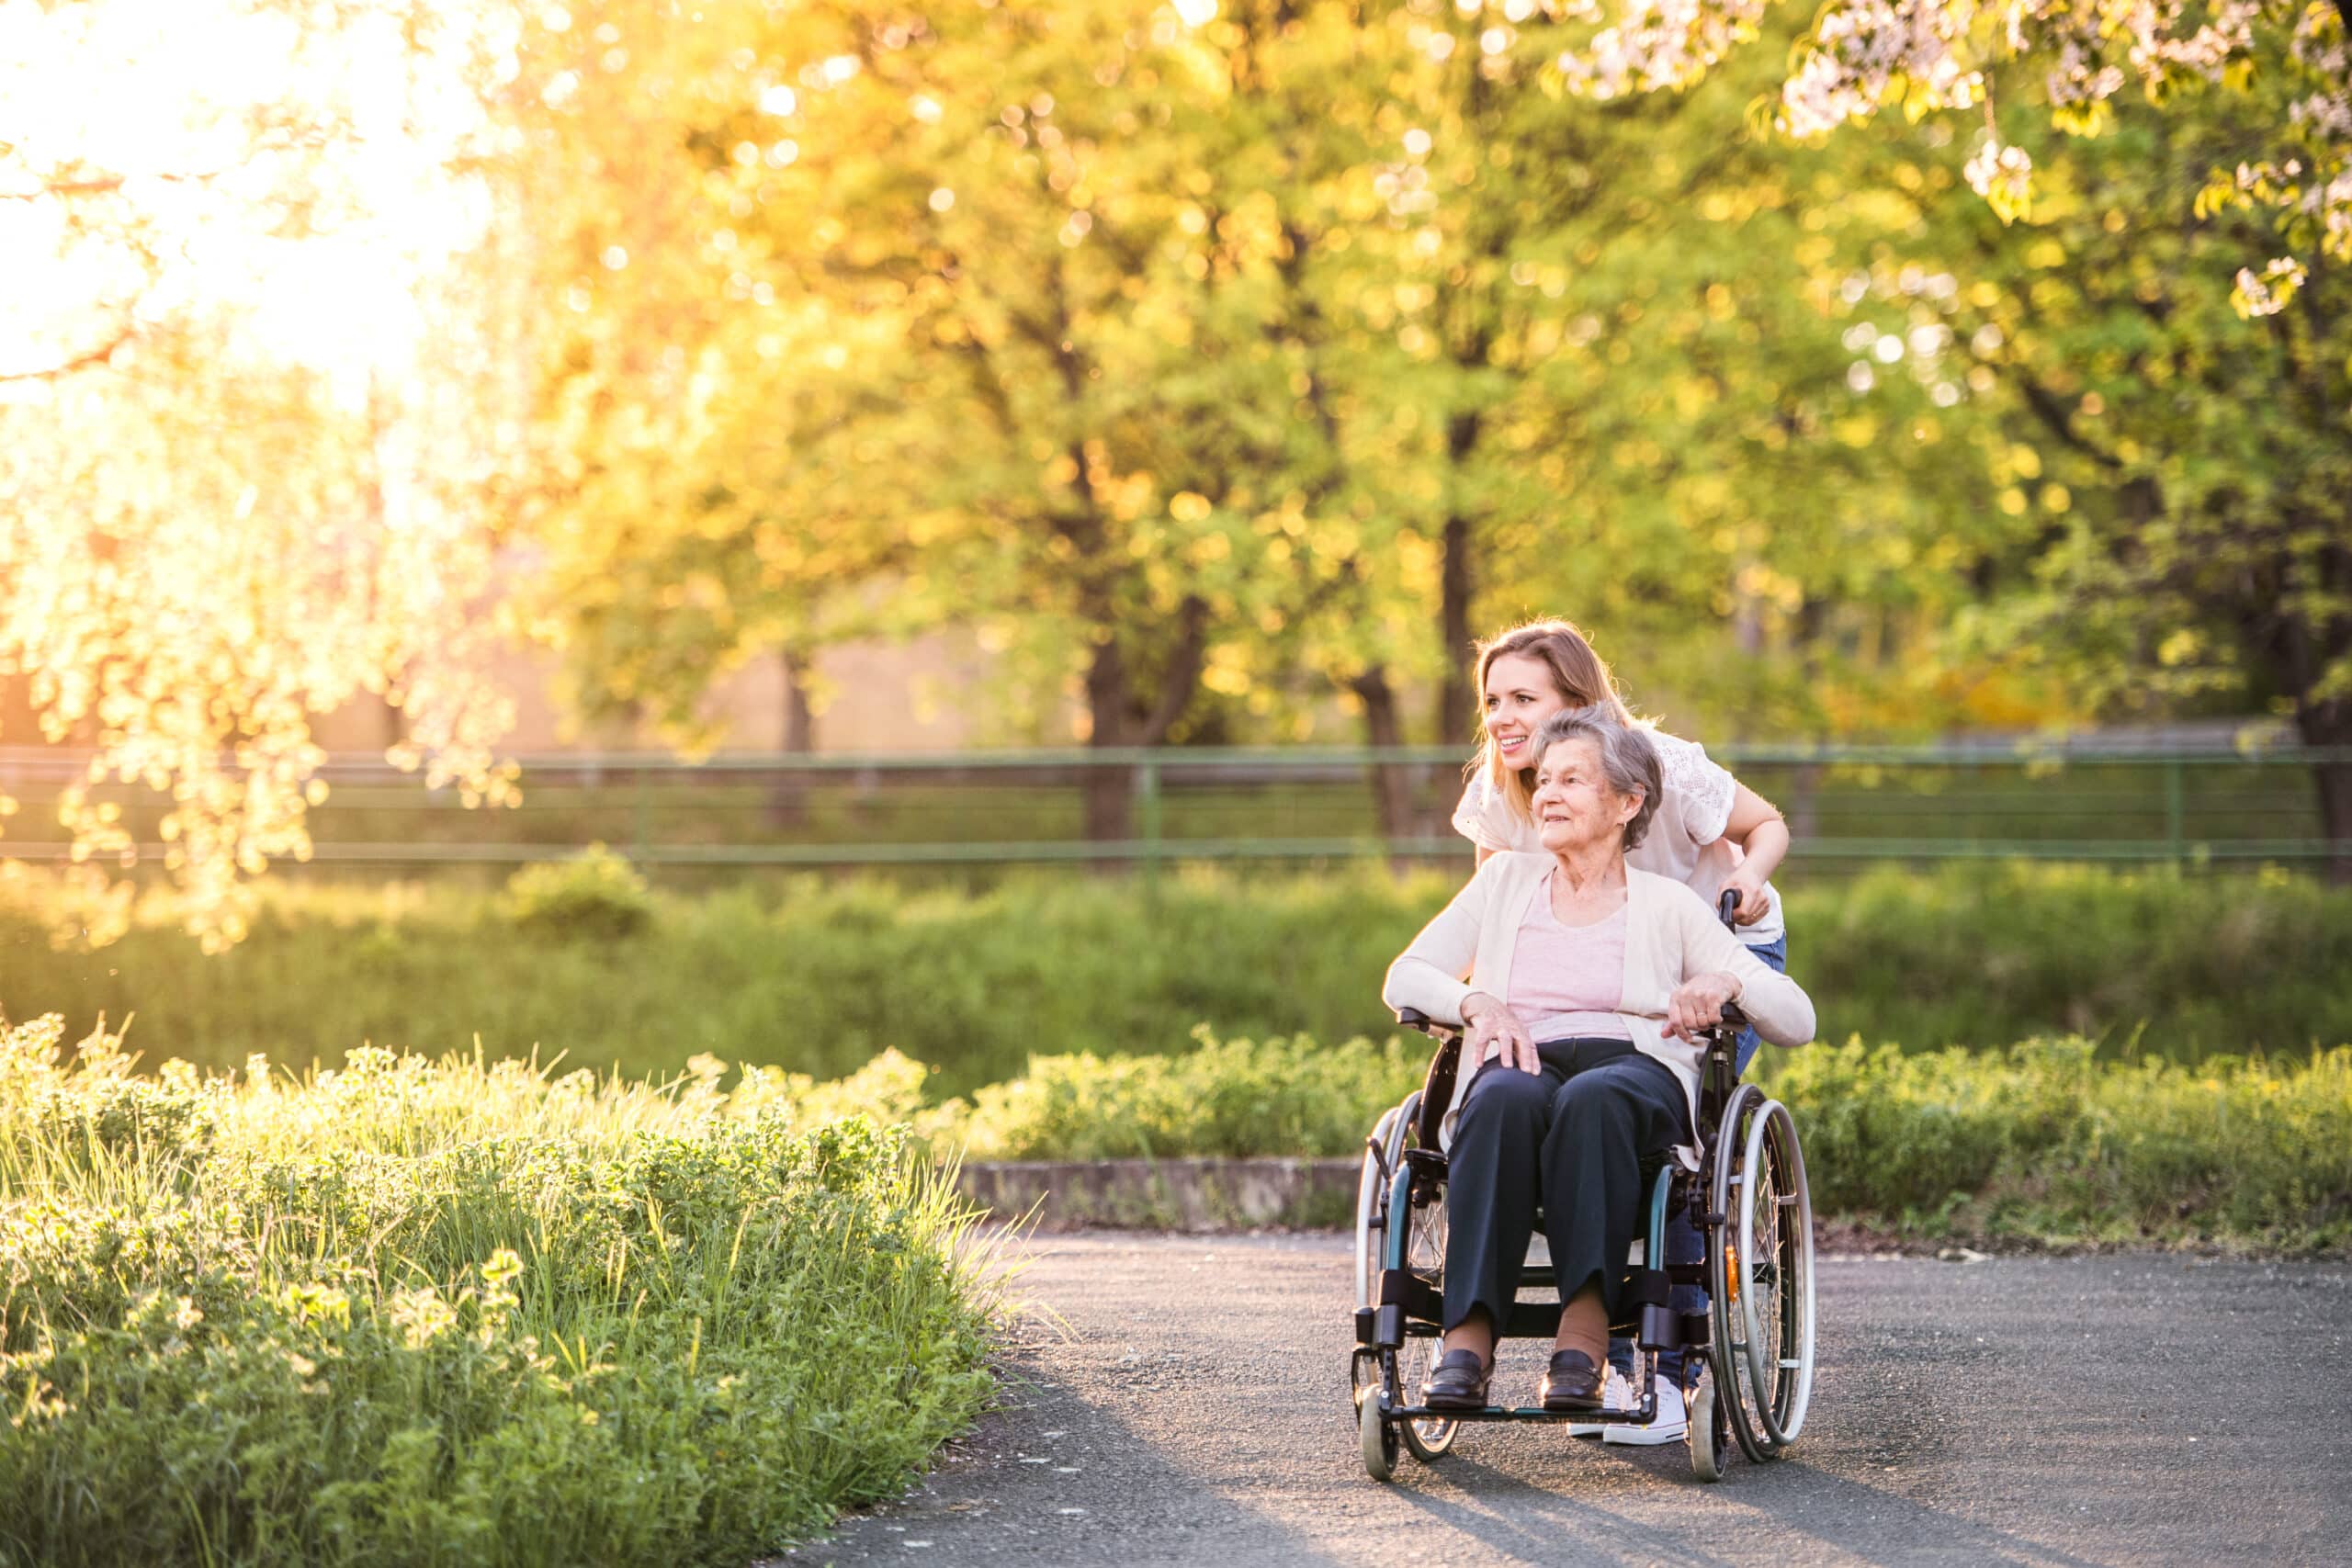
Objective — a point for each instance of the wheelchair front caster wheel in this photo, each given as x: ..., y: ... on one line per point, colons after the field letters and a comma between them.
x: 1710, y: 1444
x: 1379, y: 1438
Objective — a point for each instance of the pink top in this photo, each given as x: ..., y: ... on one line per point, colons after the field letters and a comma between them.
x: 1569, y: 981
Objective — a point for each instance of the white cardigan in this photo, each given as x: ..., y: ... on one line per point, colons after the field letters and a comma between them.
x: 1670, y: 935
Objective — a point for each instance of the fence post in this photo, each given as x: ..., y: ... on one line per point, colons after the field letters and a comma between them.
x: 639, y: 807
x: 2176, y: 814
x: 1147, y: 804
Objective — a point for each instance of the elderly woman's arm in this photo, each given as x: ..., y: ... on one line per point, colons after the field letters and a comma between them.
x: 1428, y: 975
x: 1776, y: 1005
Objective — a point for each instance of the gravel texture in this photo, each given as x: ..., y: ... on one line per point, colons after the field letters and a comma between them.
x: 1182, y: 1400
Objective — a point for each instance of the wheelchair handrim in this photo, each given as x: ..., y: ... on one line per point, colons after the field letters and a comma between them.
x: 1731, y: 1373
x: 1367, y: 1206
x: 1780, y: 1402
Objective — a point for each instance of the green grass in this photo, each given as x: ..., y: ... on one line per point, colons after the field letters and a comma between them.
x: 2218, y: 801
x: 409, y: 1313
x: 817, y: 975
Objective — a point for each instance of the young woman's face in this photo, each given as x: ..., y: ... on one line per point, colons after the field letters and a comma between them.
x: 1574, y: 804
x: 1520, y: 696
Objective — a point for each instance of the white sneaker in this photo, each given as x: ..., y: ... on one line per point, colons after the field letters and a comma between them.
x: 1668, y: 1427
x: 1616, y: 1394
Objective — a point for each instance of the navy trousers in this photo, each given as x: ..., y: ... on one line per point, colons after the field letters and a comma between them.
x: 1683, y: 1243
x: 1572, y: 1138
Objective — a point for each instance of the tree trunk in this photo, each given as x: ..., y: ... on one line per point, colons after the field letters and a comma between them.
x: 1119, y: 721
x: 1457, y: 577
x: 1454, y: 704
x: 1109, y: 789
x: 788, y: 801
x: 1392, y: 783
x: 2329, y: 724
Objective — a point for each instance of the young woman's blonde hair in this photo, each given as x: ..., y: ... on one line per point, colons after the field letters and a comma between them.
x: 1581, y: 676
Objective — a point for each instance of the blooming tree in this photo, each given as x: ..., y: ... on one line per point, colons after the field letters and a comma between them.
x: 1927, y: 57
x: 229, y: 497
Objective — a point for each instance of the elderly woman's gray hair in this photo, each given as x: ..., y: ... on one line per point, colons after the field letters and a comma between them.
x: 1628, y: 760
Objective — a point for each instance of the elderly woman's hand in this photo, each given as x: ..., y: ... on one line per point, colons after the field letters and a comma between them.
x: 1496, y: 1030
x: 1698, y: 1004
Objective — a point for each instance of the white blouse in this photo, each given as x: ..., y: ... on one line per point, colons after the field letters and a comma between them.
x: 1685, y: 842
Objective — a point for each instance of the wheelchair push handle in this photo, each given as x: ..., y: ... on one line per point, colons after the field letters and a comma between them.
x: 1726, y: 907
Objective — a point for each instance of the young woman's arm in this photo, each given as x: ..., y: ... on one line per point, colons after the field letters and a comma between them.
x: 1481, y: 853
x: 1757, y: 826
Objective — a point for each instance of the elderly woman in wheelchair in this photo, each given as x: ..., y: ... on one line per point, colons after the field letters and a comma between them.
x: 1595, y: 1054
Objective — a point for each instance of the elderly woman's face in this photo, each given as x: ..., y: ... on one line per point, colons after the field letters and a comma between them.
x: 1574, y: 804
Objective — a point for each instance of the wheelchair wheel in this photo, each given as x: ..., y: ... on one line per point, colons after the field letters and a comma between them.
x: 1710, y: 1444
x: 1727, y: 1272
x: 1776, y: 1316
x: 1372, y: 1194
x: 1425, y: 1255
x: 1379, y: 1436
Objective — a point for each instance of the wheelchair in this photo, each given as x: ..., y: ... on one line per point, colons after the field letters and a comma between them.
x: 1749, y: 1201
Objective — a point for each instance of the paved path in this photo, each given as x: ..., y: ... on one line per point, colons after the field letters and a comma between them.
x: 1181, y: 1401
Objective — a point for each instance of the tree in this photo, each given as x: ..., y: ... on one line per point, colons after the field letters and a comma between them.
x: 2181, y: 481
x: 205, y: 539
x: 1604, y: 378
x: 1261, y: 362
x: 2075, y: 58
x: 1001, y: 323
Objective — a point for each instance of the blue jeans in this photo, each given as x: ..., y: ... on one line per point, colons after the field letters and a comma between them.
x: 1683, y: 1243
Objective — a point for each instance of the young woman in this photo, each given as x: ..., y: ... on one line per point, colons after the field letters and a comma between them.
x: 1710, y: 833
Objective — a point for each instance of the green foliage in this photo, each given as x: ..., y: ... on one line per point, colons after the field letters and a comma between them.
x: 821, y: 979
x: 598, y: 894
x: 1230, y: 1096
x: 2177, y: 543
x: 2043, y: 1140
x: 1212, y: 371
x: 413, y: 1312
x: 2046, y: 1140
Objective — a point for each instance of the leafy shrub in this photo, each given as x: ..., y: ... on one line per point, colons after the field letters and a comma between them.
x: 596, y: 895
x: 976, y: 983
x: 1232, y: 1097
x: 415, y: 1312
x: 2043, y: 1139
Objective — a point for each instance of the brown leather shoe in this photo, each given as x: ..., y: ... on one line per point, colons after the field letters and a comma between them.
x: 1571, y: 1381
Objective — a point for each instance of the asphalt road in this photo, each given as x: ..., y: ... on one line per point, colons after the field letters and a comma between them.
x: 1178, y: 1400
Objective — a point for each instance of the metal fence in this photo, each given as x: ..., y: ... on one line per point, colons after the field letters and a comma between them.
x: 2086, y: 800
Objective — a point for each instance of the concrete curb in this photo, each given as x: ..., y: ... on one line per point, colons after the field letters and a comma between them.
x: 1171, y: 1194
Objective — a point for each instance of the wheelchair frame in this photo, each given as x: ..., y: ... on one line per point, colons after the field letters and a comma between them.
x: 1757, y: 1382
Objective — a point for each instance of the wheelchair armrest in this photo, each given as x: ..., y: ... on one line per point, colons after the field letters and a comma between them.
x: 1413, y: 1018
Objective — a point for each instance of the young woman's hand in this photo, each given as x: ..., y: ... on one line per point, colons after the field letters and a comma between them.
x: 1748, y: 882
x: 1495, y: 1030
x: 1698, y: 1004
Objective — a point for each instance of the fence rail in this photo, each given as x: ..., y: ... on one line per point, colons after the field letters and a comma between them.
x: 2096, y: 798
